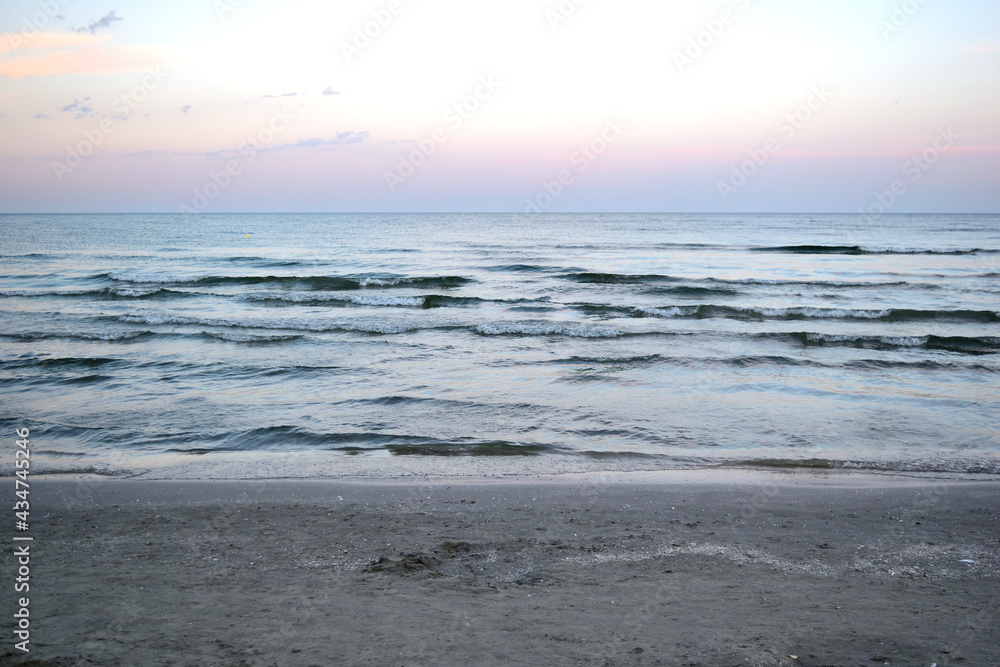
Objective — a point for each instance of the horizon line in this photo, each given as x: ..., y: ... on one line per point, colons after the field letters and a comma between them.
x: 524, y: 213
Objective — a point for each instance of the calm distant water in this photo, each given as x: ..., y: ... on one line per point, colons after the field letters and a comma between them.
x: 690, y: 340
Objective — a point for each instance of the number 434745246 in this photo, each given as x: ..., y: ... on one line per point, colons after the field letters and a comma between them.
x: 22, y: 459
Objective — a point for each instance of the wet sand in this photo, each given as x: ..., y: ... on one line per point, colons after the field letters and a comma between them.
x: 616, y: 569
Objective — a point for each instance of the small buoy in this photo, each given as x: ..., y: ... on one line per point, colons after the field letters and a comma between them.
x: 248, y: 236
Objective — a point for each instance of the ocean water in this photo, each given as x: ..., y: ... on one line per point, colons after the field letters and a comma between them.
x: 674, y: 340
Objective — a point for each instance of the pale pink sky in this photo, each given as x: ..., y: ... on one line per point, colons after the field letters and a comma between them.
x: 637, y: 105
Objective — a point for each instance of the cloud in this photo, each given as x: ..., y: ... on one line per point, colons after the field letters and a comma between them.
x: 10, y: 41
x: 185, y: 108
x: 78, y: 108
x: 339, y: 139
x: 103, y: 22
x: 93, y: 59
x: 40, y: 116
x: 282, y: 95
x: 330, y: 91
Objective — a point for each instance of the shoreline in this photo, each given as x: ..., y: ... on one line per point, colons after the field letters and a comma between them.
x: 311, y: 465
x: 701, y: 568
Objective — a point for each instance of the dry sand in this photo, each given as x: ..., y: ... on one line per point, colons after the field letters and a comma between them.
x: 670, y: 569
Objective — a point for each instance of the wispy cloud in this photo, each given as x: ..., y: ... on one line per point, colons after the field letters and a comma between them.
x: 339, y: 139
x: 47, y: 40
x: 39, y: 116
x: 185, y: 108
x: 93, y: 59
x: 79, y: 109
x: 281, y: 95
x: 330, y: 91
x: 103, y: 22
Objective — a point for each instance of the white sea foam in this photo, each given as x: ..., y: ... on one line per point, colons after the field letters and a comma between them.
x: 157, y: 319
x: 121, y: 291
x: 833, y: 313
x: 667, y: 313
x: 152, y: 278
x: 113, y: 335
x: 369, y: 300
x: 900, y: 341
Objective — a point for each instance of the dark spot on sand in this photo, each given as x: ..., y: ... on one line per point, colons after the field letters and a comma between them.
x: 456, y: 546
x: 407, y: 564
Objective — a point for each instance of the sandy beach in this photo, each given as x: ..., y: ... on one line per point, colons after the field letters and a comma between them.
x: 681, y: 568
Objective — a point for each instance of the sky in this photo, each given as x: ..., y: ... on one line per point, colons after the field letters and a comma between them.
x: 208, y: 106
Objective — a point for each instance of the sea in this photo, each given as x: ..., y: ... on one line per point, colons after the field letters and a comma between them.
x: 663, y: 341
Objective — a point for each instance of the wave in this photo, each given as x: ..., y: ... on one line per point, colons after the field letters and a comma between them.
x: 694, y: 286
x: 540, y: 329
x: 617, y: 278
x: 40, y: 293
x: 692, y: 292
x: 269, y: 261
x: 106, y: 336
x: 332, y: 300
x: 292, y: 438
x: 927, y: 465
x: 869, y: 250
x: 519, y: 268
x: 975, y: 345
x: 250, y: 338
x: 136, y: 293
x: 806, y: 313
x: 293, y: 324
x: 57, y: 363
x: 627, y: 359
x: 103, y: 293
x: 85, y: 379
x: 427, y: 301
x: 824, y: 284
x: 110, y: 336
x: 333, y: 283
x: 962, y: 344
x: 763, y: 361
